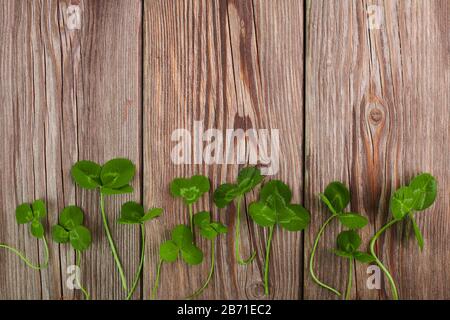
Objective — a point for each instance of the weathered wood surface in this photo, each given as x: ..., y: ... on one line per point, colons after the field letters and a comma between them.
x: 366, y: 106
x: 66, y: 95
x: 377, y: 113
x: 220, y: 63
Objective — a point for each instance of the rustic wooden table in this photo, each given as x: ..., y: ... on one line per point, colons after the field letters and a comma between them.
x: 359, y: 93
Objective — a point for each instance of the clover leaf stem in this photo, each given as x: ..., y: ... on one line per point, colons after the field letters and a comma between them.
x: 78, y: 263
x: 311, y: 259
x: 238, y: 236
x: 111, y: 243
x: 211, y: 272
x: 141, y: 264
x: 266, y: 263
x: 26, y: 260
x: 155, y: 287
x: 380, y: 264
x: 349, y: 281
x: 191, y: 216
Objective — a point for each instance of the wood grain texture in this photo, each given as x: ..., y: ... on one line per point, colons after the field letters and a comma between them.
x: 379, y: 118
x: 67, y: 95
x: 205, y: 62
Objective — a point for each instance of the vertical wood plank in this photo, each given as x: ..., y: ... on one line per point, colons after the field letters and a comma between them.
x: 201, y: 63
x: 375, y: 104
x: 109, y: 126
x: 67, y: 95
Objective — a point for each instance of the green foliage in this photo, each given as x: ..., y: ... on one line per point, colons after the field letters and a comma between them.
x: 182, y: 244
x: 348, y: 243
x: 274, y: 207
x: 419, y: 195
x: 70, y: 229
x: 133, y: 213
x: 337, y: 197
x: 208, y: 229
x: 189, y: 189
x: 32, y: 214
x: 248, y: 178
x: 113, y: 177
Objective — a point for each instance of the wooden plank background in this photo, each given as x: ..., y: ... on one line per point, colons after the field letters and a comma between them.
x: 366, y: 106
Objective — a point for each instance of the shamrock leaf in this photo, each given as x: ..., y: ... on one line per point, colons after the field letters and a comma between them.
x: 181, y: 242
x: 39, y: 209
x: 364, y: 257
x: 133, y: 213
x: 86, y: 174
x: 402, y: 202
x: 208, y: 229
x: 71, y: 217
x: 111, y: 178
x: 262, y: 214
x: 424, y: 188
x: 276, y: 194
x: 168, y: 251
x: 37, y: 229
x: 224, y: 194
x: 117, y: 173
x: 80, y: 238
x: 59, y: 234
x: 70, y: 229
x: 352, y: 220
x: 274, y: 208
x: 190, y: 190
x: 348, y: 243
x: 293, y: 217
x: 152, y: 214
x: 26, y: 213
x: 336, y: 197
x: 248, y: 178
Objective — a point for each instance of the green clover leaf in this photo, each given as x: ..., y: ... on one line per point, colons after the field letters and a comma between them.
x: 190, y: 190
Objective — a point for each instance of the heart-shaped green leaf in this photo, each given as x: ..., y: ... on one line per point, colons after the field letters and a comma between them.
x: 219, y: 227
x: 262, y: 214
x: 342, y: 254
x: 86, y: 174
x: 353, y: 220
x: 131, y: 213
x: 424, y: 188
x: 24, y: 214
x: 364, y: 257
x: 293, y: 217
x: 71, y: 217
x: 39, y: 209
x: 202, y: 219
x: 152, y: 214
x: 276, y: 194
x: 59, y: 234
x: 208, y: 229
x: 348, y: 241
x: 191, y: 254
x: 402, y: 202
x: 37, y: 229
x: 224, y: 194
x: 182, y: 236
x: 168, y: 251
x: 336, y: 197
x: 248, y: 178
x: 117, y: 173
x: 80, y: 238
x: 189, y: 189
